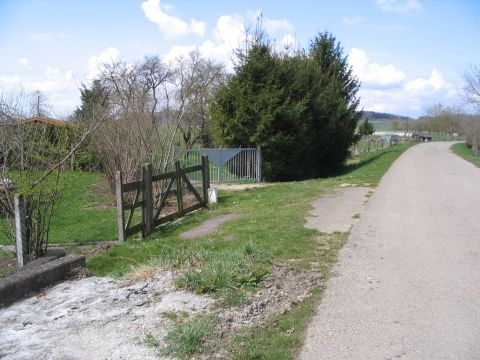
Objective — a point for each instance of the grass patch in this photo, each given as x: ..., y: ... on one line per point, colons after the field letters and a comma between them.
x: 151, y: 341
x: 85, y: 212
x: 7, y: 262
x: 463, y: 151
x: 186, y: 339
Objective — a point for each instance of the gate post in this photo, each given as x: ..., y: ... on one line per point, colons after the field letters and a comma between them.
x: 120, y: 213
x: 259, y: 164
x: 21, y: 245
x: 178, y: 178
x: 147, y: 198
x: 205, y: 178
x: 220, y: 167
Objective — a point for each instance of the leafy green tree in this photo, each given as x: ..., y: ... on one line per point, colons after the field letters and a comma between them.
x: 94, y: 101
x: 366, y: 128
x: 300, y: 109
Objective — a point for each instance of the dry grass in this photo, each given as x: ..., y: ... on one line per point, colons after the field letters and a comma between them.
x: 140, y: 273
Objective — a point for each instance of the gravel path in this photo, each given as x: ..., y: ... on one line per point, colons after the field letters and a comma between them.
x: 338, y: 211
x: 407, y: 283
x: 208, y: 227
x: 95, y: 318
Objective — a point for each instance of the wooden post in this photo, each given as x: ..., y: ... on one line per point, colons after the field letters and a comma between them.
x: 147, y: 198
x: 120, y: 213
x: 205, y: 179
x: 20, y: 231
x: 178, y: 179
x: 72, y: 159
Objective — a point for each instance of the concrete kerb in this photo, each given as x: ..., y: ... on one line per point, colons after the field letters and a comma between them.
x: 37, y: 275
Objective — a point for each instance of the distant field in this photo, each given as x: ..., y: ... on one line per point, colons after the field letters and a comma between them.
x: 382, y: 125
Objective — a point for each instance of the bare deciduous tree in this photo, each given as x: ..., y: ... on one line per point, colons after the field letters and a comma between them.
x: 198, y: 78
x: 147, y: 105
x: 472, y: 86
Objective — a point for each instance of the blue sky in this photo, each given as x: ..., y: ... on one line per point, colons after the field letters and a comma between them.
x: 409, y: 54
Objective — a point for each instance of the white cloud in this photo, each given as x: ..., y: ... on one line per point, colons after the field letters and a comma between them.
x: 387, y: 89
x: 413, y: 97
x: 229, y: 35
x: 24, y: 61
x: 434, y: 83
x: 288, y: 42
x: 178, y: 51
x: 171, y: 25
x: 59, y: 86
x: 400, y: 6
x: 106, y: 56
x: 352, y: 20
x: 371, y: 73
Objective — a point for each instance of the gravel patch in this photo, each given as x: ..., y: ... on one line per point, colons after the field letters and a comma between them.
x: 339, y: 211
x: 208, y: 227
x: 95, y: 318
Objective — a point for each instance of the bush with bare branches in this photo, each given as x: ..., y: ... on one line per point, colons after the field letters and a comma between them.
x: 147, y: 105
x: 33, y: 159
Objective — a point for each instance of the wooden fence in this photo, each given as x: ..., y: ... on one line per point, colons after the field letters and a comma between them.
x: 151, y: 195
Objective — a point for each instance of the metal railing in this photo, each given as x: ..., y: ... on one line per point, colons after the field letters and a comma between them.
x: 227, y: 164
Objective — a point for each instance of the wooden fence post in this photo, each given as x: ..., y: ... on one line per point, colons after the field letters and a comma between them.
x: 147, y: 198
x: 120, y: 213
x: 20, y: 231
x: 205, y: 178
x: 178, y: 179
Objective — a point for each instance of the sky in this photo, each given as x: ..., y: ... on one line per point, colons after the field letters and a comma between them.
x: 408, y: 54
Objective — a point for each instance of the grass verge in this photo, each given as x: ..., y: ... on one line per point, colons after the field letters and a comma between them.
x: 463, y: 151
x: 85, y: 212
x: 234, y: 261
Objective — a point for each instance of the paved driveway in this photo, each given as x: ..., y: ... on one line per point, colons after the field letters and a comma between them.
x: 407, y: 285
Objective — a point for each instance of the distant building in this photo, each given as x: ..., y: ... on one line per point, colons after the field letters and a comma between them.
x: 391, y: 138
x: 420, y: 137
x: 43, y: 120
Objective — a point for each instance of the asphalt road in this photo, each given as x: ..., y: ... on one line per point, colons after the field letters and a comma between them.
x: 407, y: 284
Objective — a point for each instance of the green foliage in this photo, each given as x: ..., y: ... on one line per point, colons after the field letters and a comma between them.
x: 7, y: 262
x: 462, y: 150
x: 185, y: 339
x: 366, y: 128
x: 151, y: 341
x: 94, y: 102
x: 300, y: 109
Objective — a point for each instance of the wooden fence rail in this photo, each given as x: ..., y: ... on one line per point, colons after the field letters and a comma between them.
x: 152, y: 199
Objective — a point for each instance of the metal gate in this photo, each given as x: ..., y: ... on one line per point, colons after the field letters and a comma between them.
x: 228, y: 165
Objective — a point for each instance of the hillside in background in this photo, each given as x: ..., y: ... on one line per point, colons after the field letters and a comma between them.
x: 373, y: 115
